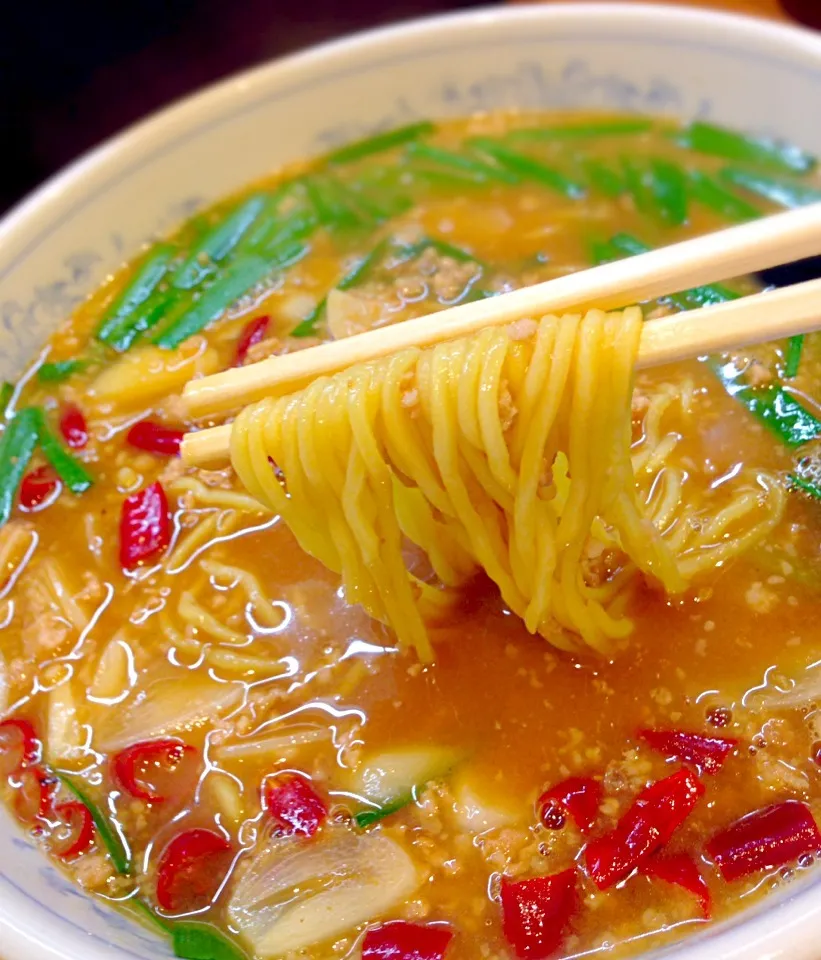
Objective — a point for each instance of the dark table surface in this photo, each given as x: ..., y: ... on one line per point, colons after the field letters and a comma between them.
x: 74, y: 73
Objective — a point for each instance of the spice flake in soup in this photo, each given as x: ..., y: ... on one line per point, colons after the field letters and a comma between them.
x: 199, y: 730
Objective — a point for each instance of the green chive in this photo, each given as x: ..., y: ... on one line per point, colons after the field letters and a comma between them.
x: 806, y: 485
x: 193, y: 940
x: 240, y: 277
x: 365, y: 818
x: 786, y: 193
x: 792, y: 360
x: 720, y: 142
x: 298, y: 226
x: 332, y: 208
x: 601, y: 252
x: 668, y: 183
x: 709, y: 192
x: 58, y: 371
x: 634, y: 179
x: 136, y: 293
x: 605, y: 128
x: 380, y: 142
x: 6, y: 393
x: 603, y: 178
x: 17, y: 445
x: 109, y: 833
x: 163, y: 305
x: 73, y: 474
x: 141, y: 907
x: 477, y: 169
x: 528, y: 168
x: 215, y: 245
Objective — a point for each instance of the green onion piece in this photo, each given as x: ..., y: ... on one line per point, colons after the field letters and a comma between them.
x: 806, y: 485
x: 217, y: 243
x: 603, y: 178
x: 163, y: 305
x: 141, y: 907
x: 296, y: 227
x: 58, y: 371
x: 720, y: 142
x: 73, y: 474
x: 795, y: 346
x: 332, y: 207
x: 446, y: 179
x: 200, y: 941
x: 786, y: 193
x: 602, y: 251
x: 356, y: 275
x: 238, y: 279
x: 381, y: 142
x: 365, y: 818
x: 477, y: 169
x: 136, y: 293
x: 527, y: 167
x: 17, y: 445
x: 6, y: 393
x: 709, y: 192
x: 605, y: 128
x: 112, y: 839
x: 389, y: 200
x: 774, y: 406
x: 634, y: 179
x: 668, y: 183
x: 411, y: 251
x: 264, y: 227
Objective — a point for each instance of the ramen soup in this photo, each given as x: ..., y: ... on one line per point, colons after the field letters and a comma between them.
x: 200, y: 730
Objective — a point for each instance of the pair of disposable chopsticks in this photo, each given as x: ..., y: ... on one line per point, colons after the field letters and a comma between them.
x: 733, y: 252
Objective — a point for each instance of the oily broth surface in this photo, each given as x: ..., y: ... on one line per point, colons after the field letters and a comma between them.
x: 520, y: 714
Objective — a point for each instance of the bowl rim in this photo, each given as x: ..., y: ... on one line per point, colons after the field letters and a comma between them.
x: 54, y: 200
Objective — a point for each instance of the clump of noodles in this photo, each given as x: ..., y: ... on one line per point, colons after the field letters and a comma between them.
x: 501, y: 451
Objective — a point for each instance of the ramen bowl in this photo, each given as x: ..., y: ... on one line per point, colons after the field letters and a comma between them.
x: 60, y: 243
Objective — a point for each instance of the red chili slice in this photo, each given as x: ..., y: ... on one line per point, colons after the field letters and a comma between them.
x: 33, y: 795
x: 19, y: 746
x: 155, y: 438
x: 765, y: 840
x: 536, y: 912
x: 655, y: 815
x: 39, y: 488
x: 155, y: 770
x: 191, y: 870
x: 681, y: 870
x: 294, y: 805
x: 400, y: 940
x: 145, y: 526
x: 578, y: 797
x: 252, y: 333
x: 73, y: 427
x: 75, y: 832
x: 706, y: 752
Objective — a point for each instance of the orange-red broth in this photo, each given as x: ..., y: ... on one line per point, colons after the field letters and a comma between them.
x: 326, y: 687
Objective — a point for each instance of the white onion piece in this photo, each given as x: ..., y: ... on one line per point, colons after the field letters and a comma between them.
x: 348, y: 314
x: 297, y: 893
x: 281, y: 744
x: 167, y: 706
x: 805, y: 691
x: 5, y: 686
x: 389, y: 776
x: 63, y: 734
x: 476, y: 810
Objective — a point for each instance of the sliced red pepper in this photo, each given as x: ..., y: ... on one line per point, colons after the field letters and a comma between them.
x: 19, y: 746
x: 40, y: 488
x: 765, y: 840
x: 681, y: 870
x: 536, y: 912
x: 191, y: 870
x: 145, y: 527
x: 155, y: 437
x: 706, y: 752
x: 75, y: 832
x: 655, y: 815
x: 578, y: 797
x: 73, y: 427
x: 155, y: 770
x: 253, y: 332
x: 33, y: 795
x: 400, y: 940
x: 294, y: 805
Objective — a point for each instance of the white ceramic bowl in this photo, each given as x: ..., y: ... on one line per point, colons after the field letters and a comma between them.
x: 62, y: 241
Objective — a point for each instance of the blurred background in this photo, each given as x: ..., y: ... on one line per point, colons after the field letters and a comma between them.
x: 73, y: 73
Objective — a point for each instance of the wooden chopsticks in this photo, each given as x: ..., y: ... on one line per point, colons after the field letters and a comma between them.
x: 727, y: 253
